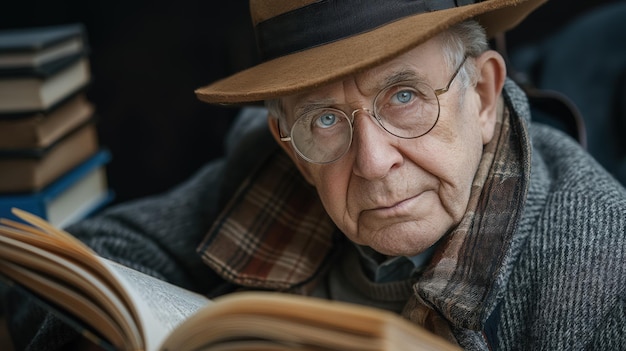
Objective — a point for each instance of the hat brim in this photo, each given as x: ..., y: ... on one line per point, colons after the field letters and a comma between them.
x: 319, y: 66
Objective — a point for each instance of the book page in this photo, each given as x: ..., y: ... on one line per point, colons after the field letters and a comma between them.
x: 73, y: 277
x: 84, y: 311
x: 245, y: 320
x: 164, y: 305
x: 142, y: 305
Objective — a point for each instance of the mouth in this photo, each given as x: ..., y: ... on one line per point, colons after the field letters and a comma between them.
x: 398, y: 208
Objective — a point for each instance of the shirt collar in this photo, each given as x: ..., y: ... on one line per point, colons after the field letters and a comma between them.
x: 382, y: 269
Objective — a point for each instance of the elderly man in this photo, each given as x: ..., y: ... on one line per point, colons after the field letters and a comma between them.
x: 408, y: 177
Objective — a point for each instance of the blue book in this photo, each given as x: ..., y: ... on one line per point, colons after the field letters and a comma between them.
x: 74, y: 196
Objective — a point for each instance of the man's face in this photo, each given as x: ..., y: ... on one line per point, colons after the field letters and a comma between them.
x: 399, y: 196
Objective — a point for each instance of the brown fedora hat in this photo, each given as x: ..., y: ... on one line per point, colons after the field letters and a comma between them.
x: 309, y: 43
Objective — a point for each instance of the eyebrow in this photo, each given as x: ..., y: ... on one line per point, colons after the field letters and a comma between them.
x: 307, y: 106
x: 401, y: 75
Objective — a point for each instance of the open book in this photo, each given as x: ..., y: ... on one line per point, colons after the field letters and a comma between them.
x: 133, y: 311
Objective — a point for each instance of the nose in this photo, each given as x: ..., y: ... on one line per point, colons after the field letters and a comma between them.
x: 376, y: 151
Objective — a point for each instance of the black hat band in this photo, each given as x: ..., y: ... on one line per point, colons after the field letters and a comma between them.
x: 327, y: 21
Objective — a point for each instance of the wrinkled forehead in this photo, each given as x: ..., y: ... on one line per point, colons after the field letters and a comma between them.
x: 424, y: 63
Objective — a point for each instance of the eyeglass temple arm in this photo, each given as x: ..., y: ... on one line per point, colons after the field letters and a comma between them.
x: 280, y: 134
x: 447, y: 87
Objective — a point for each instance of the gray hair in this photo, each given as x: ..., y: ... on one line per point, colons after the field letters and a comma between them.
x: 465, y: 39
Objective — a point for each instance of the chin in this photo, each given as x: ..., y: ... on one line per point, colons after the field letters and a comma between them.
x: 403, y: 251
x: 394, y: 243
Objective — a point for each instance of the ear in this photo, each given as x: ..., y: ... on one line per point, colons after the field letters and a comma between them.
x: 491, y: 71
x: 303, y: 166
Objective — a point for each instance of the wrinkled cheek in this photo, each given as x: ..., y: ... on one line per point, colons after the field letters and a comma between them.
x: 348, y: 222
x: 341, y: 202
x: 454, y: 202
x: 346, y: 219
x: 336, y: 207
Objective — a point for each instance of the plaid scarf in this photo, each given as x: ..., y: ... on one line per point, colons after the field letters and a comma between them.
x: 275, y: 234
x: 457, y: 287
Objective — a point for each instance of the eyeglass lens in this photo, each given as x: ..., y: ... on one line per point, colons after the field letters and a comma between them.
x: 407, y: 110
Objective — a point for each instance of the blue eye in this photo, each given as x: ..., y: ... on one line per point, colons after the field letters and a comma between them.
x: 326, y: 120
x: 404, y: 96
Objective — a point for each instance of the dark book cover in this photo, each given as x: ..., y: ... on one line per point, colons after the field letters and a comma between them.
x: 38, y: 38
x: 4, y: 116
x: 30, y: 94
x: 44, y: 70
x: 41, y: 152
x: 31, y: 170
x: 41, y: 51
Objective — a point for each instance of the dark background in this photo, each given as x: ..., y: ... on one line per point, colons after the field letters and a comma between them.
x: 147, y: 57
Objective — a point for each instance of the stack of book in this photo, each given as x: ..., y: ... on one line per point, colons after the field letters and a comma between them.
x: 51, y: 161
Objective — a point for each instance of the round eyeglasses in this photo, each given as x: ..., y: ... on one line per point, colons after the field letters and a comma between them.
x: 407, y: 110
